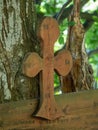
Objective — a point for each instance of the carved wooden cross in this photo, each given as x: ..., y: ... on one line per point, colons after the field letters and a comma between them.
x: 62, y: 63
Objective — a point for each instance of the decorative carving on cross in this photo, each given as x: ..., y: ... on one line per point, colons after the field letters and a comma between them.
x: 62, y: 63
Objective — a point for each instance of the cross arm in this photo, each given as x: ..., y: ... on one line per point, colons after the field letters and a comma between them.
x: 32, y: 65
x: 63, y: 62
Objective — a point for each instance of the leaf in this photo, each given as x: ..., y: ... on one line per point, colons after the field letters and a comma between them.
x: 61, y: 40
x: 95, y: 18
x: 71, y: 23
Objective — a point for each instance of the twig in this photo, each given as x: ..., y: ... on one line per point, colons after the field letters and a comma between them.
x: 92, y: 52
x: 65, y: 12
x: 62, y: 10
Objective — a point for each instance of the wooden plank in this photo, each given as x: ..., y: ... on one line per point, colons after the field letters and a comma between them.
x: 80, y: 113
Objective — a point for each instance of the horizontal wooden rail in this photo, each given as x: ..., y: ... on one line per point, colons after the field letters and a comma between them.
x: 80, y: 110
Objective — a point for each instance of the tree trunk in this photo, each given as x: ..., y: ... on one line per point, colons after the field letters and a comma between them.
x: 81, y: 76
x: 17, y: 38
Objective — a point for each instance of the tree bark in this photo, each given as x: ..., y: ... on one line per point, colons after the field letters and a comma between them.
x: 81, y: 76
x: 17, y: 38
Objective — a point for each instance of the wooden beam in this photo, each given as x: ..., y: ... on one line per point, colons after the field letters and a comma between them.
x: 80, y: 109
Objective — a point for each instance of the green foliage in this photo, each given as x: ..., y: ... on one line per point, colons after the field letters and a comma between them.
x: 49, y: 7
x: 56, y: 80
x: 91, y: 44
x: 72, y: 23
x: 61, y: 40
x: 95, y: 18
x: 94, y: 0
x: 92, y: 37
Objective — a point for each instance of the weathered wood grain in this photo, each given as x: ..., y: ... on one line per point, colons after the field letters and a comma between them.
x: 80, y: 113
x: 62, y: 63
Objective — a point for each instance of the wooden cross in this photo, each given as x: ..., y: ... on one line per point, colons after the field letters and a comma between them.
x: 62, y: 63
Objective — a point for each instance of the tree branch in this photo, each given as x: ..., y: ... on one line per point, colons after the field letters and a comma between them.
x: 83, y: 2
x: 58, y: 15
x: 65, y: 12
x: 38, y: 1
x: 92, y: 52
x: 89, y: 19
